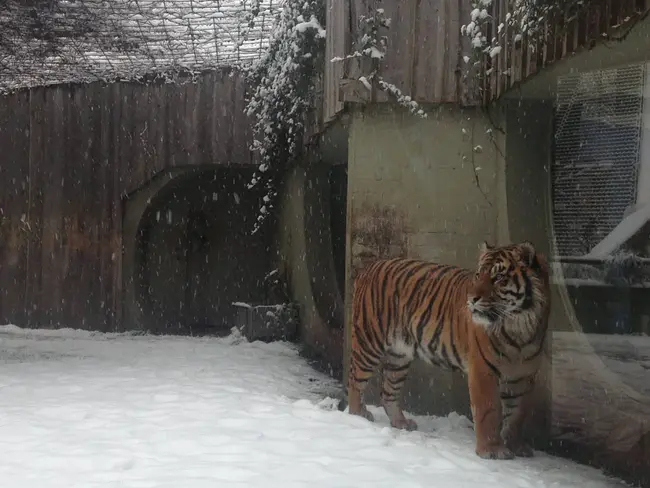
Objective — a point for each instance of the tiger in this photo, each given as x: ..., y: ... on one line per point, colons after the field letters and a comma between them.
x: 490, y: 324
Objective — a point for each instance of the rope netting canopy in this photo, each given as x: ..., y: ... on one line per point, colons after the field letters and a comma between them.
x: 45, y: 42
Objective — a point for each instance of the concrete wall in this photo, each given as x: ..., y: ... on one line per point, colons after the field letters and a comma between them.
x: 305, y: 261
x: 432, y: 189
x: 528, y: 148
x: 528, y: 151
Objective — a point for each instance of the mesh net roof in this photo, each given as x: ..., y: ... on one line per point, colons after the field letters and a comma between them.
x: 46, y: 42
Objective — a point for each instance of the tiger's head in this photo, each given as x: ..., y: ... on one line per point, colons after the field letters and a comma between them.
x: 509, y: 285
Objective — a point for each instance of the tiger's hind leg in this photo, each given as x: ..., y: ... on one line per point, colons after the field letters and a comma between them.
x: 362, y: 368
x: 394, y: 371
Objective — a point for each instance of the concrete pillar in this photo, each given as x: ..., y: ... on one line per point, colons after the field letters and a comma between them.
x: 430, y: 189
x: 134, y: 206
x: 305, y: 259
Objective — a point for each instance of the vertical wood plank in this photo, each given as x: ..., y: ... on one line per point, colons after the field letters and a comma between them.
x: 337, y: 44
x: 111, y: 119
x: 397, y: 66
x: 37, y: 180
x: 14, y: 203
x: 453, y: 41
x: 48, y: 153
x: 426, y: 58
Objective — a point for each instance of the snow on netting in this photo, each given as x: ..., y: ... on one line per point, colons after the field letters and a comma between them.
x: 45, y: 42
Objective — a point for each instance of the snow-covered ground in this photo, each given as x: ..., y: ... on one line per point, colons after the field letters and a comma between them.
x: 79, y: 409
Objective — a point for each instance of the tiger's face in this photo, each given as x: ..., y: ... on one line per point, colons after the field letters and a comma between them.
x: 507, y: 284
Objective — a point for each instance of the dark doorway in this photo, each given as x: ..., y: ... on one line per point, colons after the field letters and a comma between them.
x: 197, y: 256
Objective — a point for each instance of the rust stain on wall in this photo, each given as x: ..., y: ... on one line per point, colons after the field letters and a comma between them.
x: 78, y: 238
x: 84, y: 242
x: 13, y: 241
x: 378, y: 232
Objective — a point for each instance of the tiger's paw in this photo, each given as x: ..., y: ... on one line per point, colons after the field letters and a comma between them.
x: 495, y: 452
x: 404, y: 424
x: 521, y: 450
x: 364, y: 413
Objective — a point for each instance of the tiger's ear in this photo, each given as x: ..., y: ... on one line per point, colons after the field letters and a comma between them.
x: 484, y: 247
x: 529, y: 254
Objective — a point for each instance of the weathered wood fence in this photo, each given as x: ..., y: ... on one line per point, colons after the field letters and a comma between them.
x: 69, y: 156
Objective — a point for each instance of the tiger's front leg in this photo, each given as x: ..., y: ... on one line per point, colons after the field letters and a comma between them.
x: 486, y: 412
x: 516, y: 404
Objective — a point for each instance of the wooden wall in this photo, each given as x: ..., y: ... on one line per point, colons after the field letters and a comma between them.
x: 69, y: 155
x: 337, y: 44
x: 425, y: 51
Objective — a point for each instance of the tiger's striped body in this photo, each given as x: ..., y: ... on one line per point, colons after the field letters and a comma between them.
x: 489, y: 324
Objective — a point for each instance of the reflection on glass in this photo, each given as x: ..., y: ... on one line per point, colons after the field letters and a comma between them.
x: 600, y: 193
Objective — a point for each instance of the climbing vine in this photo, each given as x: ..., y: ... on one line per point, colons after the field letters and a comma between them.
x: 283, y: 80
x: 524, y: 18
x: 542, y: 19
x: 283, y: 83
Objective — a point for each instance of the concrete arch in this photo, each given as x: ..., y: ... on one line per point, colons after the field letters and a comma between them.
x: 134, y: 207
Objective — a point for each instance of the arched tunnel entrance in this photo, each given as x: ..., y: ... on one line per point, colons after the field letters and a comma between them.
x: 194, y: 255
